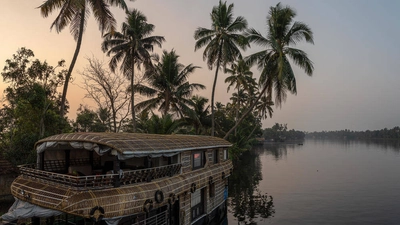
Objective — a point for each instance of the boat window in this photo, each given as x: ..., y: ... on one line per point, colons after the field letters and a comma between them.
x: 215, y: 158
x: 175, y: 159
x: 198, y: 160
x: 225, y: 154
x: 197, y: 203
x: 134, y: 163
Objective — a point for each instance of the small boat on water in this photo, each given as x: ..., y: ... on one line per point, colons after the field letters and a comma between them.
x: 123, y: 178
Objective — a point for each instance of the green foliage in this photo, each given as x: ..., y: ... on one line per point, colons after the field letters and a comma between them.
x: 31, y: 106
x: 159, y: 125
x: 277, y: 75
x: 168, y: 87
x: 274, y: 61
x: 246, y: 131
x: 385, y: 133
x: 131, y: 48
x: 90, y: 121
x: 280, y: 132
x: 198, y: 115
x: 222, y: 43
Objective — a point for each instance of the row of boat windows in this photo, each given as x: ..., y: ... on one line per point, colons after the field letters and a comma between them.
x: 199, y: 158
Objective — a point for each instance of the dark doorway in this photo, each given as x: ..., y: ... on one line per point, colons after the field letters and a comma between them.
x: 174, y: 218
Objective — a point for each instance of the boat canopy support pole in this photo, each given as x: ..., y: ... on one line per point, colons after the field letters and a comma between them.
x: 117, y: 169
x: 91, y: 159
x: 41, y: 161
x: 67, y: 159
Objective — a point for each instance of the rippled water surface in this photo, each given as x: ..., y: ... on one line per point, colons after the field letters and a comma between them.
x: 319, y: 182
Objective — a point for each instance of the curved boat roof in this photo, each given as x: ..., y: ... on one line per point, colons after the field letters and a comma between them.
x: 131, y: 143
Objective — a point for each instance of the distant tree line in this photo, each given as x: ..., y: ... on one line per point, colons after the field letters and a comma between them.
x: 385, y: 133
x: 280, y: 133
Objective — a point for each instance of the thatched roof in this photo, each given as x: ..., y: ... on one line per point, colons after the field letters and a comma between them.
x: 137, y: 142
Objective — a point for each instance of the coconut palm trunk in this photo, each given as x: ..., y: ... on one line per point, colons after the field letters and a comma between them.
x: 237, y: 107
x: 213, y: 92
x: 72, y: 65
x: 133, y: 98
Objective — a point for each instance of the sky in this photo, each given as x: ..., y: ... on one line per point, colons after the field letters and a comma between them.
x: 355, y: 84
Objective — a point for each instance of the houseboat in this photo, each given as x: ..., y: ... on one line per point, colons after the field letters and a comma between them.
x: 123, y: 178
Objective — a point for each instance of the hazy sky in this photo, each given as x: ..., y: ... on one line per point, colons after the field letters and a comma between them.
x: 356, y: 55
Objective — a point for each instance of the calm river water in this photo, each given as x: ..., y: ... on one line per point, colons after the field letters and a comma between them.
x: 319, y: 182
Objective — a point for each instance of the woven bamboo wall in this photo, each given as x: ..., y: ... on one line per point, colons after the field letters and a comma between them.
x: 185, y: 216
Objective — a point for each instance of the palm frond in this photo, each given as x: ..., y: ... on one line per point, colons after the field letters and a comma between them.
x: 78, y: 23
x: 298, y: 32
x: 103, y: 15
x: 301, y: 59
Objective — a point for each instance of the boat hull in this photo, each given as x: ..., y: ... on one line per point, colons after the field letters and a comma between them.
x: 124, y: 200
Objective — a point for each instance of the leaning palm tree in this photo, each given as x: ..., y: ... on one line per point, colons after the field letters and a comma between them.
x: 168, y: 86
x: 131, y: 48
x: 277, y: 76
x: 222, y: 42
x: 76, y: 13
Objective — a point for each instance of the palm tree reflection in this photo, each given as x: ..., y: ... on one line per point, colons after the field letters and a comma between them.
x: 247, y: 203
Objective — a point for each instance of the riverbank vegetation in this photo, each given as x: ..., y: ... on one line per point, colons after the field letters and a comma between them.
x: 385, y: 133
x: 34, y: 107
x: 281, y: 133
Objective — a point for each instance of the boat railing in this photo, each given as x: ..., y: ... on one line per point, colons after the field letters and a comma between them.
x: 75, y: 182
x: 100, y: 181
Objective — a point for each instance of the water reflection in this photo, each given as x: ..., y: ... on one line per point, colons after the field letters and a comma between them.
x: 386, y: 145
x: 246, y: 201
x: 277, y: 150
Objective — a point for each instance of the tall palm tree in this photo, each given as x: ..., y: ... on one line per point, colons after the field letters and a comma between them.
x: 277, y: 76
x: 168, y: 86
x: 222, y: 42
x: 75, y: 13
x: 131, y: 47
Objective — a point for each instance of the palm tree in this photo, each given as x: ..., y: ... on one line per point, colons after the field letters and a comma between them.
x: 222, y: 42
x: 162, y: 125
x: 276, y: 71
x: 241, y: 76
x: 168, y: 86
x: 131, y: 48
x: 263, y: 107
x: 76, y: 13
x: 199, y: 115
